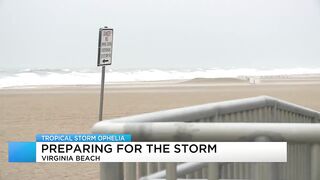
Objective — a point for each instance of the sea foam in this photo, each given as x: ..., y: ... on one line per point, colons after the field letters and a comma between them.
x: 37, y: 77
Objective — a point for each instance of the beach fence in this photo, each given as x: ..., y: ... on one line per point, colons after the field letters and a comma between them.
x: 260, y: 118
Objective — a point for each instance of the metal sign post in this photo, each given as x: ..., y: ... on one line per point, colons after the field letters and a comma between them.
x: 102, y: 92
x: 104, y: 59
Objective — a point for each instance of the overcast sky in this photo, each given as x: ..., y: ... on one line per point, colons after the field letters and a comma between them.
x: 161, y: 34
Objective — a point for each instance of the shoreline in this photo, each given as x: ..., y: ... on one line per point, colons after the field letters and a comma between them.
x: 195, y: 82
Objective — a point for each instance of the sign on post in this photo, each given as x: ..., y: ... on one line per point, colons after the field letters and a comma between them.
x: 104, y: 58
x: 105, y: 46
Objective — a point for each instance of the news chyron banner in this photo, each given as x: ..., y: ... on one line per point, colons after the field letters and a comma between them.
x: 120, y: 148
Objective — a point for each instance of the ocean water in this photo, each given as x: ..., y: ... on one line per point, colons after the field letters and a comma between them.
x: 40, y: 77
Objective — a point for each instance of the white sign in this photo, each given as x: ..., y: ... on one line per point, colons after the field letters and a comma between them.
x: 105, y: 46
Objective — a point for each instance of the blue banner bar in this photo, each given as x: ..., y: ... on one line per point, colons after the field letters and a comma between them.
x: 83, y: 138
x: 22, y: 152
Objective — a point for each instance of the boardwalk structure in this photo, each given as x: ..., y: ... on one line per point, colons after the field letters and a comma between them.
x: 260, y: 118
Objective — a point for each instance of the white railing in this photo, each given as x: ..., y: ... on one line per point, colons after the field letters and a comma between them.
x: 297, y: 127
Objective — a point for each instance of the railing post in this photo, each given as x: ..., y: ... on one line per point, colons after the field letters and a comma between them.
x: 111, y: 171
x: 130, y: 171
x: 264, y: 171
x: 141, y: 169
x: 213, y: 171
x: 315, y: 162
x: 171, y: 171
x: 151, y: 167
x: 275, y: 112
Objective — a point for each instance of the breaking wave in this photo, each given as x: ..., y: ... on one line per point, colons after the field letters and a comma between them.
x: 36, y: 77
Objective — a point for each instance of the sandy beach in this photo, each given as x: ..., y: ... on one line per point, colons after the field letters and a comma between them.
x: 74, y: 109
